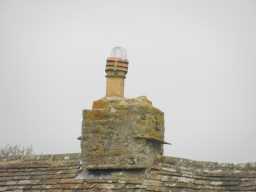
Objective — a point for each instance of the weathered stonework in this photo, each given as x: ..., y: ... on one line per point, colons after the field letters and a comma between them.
x: 122, y: 133
x: 62, y: 173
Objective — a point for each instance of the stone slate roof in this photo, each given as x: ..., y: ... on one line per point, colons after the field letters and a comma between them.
x: 63, y: 173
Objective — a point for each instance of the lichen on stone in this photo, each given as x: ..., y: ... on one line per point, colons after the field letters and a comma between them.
x: 122, y: 133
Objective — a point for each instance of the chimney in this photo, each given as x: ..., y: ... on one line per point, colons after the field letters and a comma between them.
x: 116, y: 70
x: 121, y: 133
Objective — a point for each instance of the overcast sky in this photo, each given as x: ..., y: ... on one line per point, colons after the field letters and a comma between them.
x: 195, y: 59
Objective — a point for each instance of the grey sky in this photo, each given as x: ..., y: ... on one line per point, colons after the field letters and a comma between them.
x: 195, y: 59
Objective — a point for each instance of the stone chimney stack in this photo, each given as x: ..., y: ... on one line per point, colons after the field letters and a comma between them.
x: 120, y: 133
x: 116, y: 70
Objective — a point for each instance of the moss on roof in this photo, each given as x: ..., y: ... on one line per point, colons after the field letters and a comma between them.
x: 61, y: 173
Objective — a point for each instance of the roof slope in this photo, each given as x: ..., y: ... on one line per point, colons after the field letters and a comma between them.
x: 176, y: 174
x: 55, y: 173
x: 63, y: 173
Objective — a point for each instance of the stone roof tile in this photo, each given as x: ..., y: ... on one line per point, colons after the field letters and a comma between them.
x: 59, y: 173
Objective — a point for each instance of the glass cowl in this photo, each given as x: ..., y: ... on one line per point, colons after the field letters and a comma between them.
x: 118, y: 53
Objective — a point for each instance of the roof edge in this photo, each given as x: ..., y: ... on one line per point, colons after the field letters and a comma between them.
x: 46, y: 157
x: 207, y: 164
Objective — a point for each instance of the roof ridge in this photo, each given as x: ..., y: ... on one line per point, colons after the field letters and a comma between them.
x: 195, y: 163
x: 40, y: 157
